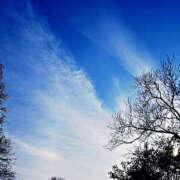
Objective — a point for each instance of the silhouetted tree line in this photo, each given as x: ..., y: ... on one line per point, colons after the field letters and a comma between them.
x: 153, y: 116
x: 150, y: 163
x: 57, y: 178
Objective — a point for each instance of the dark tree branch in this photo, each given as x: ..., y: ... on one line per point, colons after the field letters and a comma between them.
x: 155, y: 109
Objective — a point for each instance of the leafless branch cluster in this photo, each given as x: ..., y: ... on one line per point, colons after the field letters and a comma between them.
x: 154, y: 110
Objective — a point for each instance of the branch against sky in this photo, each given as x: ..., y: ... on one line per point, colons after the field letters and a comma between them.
x: 154, y: 110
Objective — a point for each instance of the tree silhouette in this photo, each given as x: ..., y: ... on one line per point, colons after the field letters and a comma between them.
x: 150, y: 163
x: 57, y: 178
x: 154, y: 110
x: 6, y: 155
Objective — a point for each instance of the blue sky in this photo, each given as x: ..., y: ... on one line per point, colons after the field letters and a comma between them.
x: 68, y: 68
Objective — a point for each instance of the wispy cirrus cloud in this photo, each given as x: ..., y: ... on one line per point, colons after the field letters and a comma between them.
x: 60, y: 123
x: 37, y: 151
x: 108, y: 30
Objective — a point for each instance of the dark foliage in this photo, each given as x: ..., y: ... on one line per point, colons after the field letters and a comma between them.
x: 57, y: 178
x: 150, y: 164
x: 6, y: 155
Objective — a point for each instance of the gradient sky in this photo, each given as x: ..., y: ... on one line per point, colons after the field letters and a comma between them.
x: 68, y: 68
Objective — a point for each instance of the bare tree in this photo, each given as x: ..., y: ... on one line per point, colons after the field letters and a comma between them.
x: 154, y: 110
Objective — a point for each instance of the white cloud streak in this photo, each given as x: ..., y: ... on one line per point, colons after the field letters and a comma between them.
x: 35, y: 151
x: 110, y: 33
x: 68, y: 122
